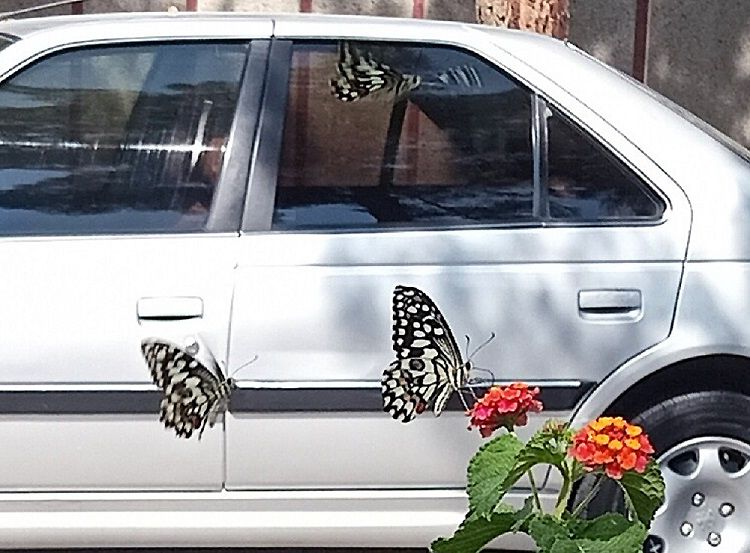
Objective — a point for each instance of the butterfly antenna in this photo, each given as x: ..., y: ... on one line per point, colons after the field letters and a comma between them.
x: 238, y: 369
x: 468, y: 342
x: 482, y: 345
x: 475, y: 381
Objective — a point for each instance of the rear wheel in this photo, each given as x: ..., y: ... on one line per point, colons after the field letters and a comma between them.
x: 702, y: 447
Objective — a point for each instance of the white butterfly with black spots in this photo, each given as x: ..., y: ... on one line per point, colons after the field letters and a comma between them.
x: 194, y: 395
x: 429, y: 366
x: 360, y: 75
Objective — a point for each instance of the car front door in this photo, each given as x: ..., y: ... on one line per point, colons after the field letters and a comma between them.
x: 453, y: 177
x: 120, y: 194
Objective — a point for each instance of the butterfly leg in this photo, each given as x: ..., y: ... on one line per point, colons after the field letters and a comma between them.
x: 463, y: 401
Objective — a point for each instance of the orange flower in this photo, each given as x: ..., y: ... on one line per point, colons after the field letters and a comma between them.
x: 613, y: 445
x: 504, y: 407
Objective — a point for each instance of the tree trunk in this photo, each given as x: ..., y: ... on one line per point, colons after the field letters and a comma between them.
x: 548, y: 17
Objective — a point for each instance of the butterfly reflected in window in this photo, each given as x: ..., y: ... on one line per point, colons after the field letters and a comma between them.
x: 359, y: 75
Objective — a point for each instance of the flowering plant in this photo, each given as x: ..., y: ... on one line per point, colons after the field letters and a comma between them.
x: 608, y: 448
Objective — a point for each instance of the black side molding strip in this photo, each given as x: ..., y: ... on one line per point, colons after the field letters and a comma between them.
x: 556, y: 397
x: 93, y: 400
x: 79, y: 402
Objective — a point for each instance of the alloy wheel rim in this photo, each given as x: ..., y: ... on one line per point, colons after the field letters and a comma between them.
x: 707, y: 505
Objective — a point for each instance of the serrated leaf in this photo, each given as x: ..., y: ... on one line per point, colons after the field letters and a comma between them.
x: 488, y: 472
x: 546, y: 530
x: 629, y: 541
x: 603, y: 528
x: 645, y: 491
x: 474, y: 534
x: 524, y: 516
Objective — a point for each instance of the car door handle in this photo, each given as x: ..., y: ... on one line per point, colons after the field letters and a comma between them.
x: 608, y: 303
x: 170, y: 308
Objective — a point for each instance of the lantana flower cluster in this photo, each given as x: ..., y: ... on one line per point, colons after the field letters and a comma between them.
x: 504, y: 407
x: 613, y: 445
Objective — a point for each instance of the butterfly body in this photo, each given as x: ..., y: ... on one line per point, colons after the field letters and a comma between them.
x: 193, y: 395
x: 428, y: 366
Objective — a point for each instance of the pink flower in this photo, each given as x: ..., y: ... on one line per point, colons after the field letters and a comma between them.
x: 504, y: 407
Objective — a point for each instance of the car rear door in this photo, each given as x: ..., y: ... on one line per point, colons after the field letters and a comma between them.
x: 122, y: 173
x: 502, y: 207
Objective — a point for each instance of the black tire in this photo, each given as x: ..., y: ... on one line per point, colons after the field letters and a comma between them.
x: 675, y: 421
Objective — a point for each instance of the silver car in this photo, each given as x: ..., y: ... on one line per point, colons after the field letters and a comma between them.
x: 241, y: 183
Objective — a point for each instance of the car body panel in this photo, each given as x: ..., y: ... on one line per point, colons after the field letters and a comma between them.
x: 355, y: 519
x: 710, y: 320
x: 89, y: 333
x: 330, y: 292
x: 109, y: 293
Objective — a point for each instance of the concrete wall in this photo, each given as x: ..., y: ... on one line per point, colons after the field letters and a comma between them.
x: 701, y: 59
x: 698, y: 52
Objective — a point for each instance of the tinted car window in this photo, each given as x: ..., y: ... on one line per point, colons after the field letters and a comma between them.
x: 586, y: 183
x: 116, y: 139
x: 382, y: 135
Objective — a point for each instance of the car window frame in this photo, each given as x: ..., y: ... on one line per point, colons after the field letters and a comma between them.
x: 653, y: 193
x: 266, y: 165
x: 225, y: 215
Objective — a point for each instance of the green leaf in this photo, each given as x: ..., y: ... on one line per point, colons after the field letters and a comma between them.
x: 488, y: 472
x: 603, y: 528
x: 548, y: 446
x: 475, y: 533
x: 547, y: 530
x: 524, y: 516
x: 645, y: 491
x: 610, y: 533
x: 628, y: 541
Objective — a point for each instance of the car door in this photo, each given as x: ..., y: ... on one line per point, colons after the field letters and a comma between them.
x: 455, y: 177
x: 120, y: 193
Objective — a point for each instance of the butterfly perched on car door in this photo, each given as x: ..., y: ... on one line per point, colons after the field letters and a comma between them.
x: 428, y: 366
x: 193, y: 394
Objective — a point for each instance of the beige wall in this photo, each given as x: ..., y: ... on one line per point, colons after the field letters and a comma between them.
x: 699, y: 52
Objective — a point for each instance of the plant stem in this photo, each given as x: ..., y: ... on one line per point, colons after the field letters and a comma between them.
x: 565, y: 491
x: 629, y: 507
x: 535, y: 492
x: 589, y: 496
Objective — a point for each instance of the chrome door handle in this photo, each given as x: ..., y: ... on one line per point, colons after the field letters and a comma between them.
x: 606, y: 303
x: 170, y: 308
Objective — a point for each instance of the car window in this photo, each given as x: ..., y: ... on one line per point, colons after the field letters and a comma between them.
x: 384, y: 135
x: 120, y: 139
x: 586, y: 183
x: 5, y: 42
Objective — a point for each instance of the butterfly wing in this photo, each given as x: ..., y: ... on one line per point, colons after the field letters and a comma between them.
x: 429, y: 366
x: 358, y: 76
x: 191, y: 391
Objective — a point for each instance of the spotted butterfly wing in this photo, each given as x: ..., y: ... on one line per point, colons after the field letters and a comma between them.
x: 428, y: 366
x: 359, y: 75
x: 193, y: 395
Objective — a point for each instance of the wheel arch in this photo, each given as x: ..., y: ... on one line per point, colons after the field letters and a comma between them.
x: 643, y: 382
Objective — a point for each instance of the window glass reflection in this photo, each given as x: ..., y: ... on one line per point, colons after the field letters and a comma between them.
x: 381, y: 135
x: 121, y: 139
